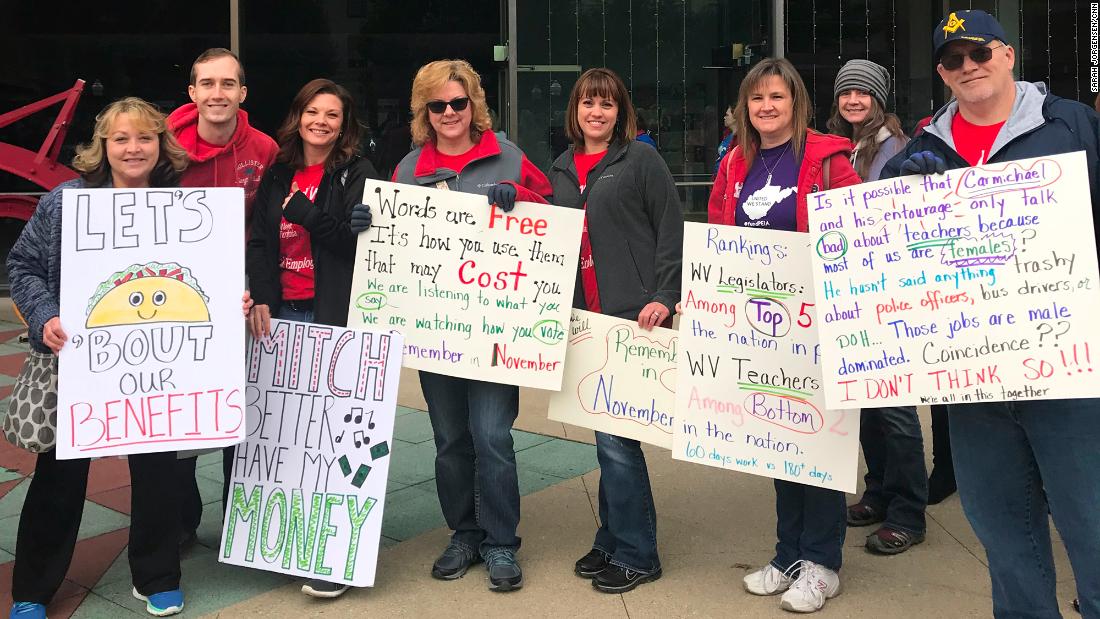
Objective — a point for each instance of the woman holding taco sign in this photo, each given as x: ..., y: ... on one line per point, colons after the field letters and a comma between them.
x: 130, y: 148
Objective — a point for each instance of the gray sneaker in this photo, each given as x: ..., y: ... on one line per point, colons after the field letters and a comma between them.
x: 504, y: 571
x: 454, y: 561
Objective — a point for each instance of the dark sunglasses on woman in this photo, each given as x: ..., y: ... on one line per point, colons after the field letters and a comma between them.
x: 438, y: 107
x: 980, y: 55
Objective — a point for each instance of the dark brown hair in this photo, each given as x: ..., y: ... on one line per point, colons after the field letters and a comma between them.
x: 214, y: 53
x: 748, y: 138
x: 866, y: 133
x: 601, y: 82
x: 91, y: 158
x: 291, y: 151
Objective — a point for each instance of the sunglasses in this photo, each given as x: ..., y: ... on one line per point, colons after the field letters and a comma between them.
x: 980, y: 55
x: 438, y: 107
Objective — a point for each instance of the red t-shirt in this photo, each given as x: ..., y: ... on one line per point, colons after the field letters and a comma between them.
x: 973, y: 142
x: 295, y: 254
x: 455, y: 162
x: 585, y: 163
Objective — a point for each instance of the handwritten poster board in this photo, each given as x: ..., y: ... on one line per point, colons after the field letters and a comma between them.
x: 979, y: 284
x: 749, y: 391
x: 309, y: 483
x: 619, y: 379
x: 151, y: 285
x: 478, y: 293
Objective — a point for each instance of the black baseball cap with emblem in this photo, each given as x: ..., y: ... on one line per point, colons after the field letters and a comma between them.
x: 972, y: 25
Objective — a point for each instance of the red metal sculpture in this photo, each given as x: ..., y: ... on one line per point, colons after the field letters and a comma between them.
x: 41, y: 168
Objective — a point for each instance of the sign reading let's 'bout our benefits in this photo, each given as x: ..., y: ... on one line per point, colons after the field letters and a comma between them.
x: 976, y: 285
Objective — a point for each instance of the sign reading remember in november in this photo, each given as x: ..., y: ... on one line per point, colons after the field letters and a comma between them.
x: 749, y: 392
x: 976, y: 285
x: 478, y: 293
x: 309, y: 482
x: 619, y: 379
x: 151, y: 285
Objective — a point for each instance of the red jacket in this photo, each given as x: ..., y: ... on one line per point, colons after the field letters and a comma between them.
x: 240, y: 163
x: 722, y: 207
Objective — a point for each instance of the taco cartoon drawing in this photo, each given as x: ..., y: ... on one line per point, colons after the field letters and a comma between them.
x: 148, y: 293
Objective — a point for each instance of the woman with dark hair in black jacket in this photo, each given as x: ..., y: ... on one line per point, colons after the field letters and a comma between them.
x: 301, y: 253
x: 630, y: 263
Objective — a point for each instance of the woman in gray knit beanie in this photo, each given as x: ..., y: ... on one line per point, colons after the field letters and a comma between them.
x: 859, y: 114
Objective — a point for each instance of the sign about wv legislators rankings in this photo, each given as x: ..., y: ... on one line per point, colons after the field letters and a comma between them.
x: 975, y: 285
x: 478, y: 293
x: 151, y: 285
x: 749, y: 390
x: 619, y: 379
x: 309, y: 482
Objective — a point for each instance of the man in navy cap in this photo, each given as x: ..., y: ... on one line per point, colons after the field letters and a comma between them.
x: 1016, y: 460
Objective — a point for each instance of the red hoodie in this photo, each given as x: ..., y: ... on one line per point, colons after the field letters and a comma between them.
x: 722, y: 207
x: 240, y: 163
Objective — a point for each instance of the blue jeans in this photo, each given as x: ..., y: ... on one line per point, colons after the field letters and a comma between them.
x: 475, y: 462
x: 628, y: 519
x: 897, y: 479
x: 1006, y: 455
x: 810, y: 523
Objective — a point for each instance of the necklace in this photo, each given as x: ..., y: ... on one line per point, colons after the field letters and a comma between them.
x: 775, y: 163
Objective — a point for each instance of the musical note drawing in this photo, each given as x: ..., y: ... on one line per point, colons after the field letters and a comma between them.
x: 341, y: 437
x: 356, y: 415
x: 360, y: 439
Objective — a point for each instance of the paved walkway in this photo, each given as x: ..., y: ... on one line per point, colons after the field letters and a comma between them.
x: 714, y: 527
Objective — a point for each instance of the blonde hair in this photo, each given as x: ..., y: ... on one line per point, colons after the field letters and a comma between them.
x: 748, y: 138
x: 91, y: 158
x: 435, y: 75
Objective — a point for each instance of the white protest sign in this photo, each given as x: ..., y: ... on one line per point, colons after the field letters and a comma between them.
x: 478, y: 293
x: 749, y: 391
x: 309, y: 482
x: 976, y: 285
x: 619, y: 379
x: 151, y: 285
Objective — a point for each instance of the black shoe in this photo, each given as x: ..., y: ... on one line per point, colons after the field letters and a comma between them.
x: 941, y: 484
x: 455, y: 560
x: 591, y: 564
x: 187, y: 539
x: 617, y: 579
x: 504, y: 571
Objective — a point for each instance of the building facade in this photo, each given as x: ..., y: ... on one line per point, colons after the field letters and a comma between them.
x: 681, y: 59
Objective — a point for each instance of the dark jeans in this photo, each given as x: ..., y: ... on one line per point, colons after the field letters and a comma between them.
x: 1013, y: 461
x: 897, y: 479
x: 190, y: 499
x: 810, y: 523
x: 51, y: 516
x: 628, y: 519
x: 475, y: 462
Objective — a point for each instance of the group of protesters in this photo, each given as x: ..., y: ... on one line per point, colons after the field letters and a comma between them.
x: 1014, y: 463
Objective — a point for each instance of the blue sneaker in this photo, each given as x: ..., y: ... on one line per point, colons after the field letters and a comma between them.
x: 27, y: 610
x: 162, y: 604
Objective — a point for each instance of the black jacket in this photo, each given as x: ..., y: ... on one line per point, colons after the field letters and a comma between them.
x: 635, y: 225
x: 331, y: 239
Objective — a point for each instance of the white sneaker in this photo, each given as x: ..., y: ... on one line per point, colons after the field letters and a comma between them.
x: 815, y: 584
x: 767, y: 581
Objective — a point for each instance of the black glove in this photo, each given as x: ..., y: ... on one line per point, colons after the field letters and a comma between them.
x: 503, y: 195
x: 360, y: 218
x: 923, y: 162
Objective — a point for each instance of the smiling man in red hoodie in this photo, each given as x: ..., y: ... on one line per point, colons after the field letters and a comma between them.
x: 225, y: 151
